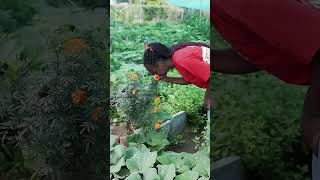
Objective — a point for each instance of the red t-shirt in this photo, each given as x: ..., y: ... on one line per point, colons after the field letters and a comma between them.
x: 193, y: 63
x: 280, y: 37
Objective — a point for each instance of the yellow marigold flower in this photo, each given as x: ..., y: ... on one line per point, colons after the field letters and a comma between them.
x: 157, y: 100
x: 79, y: 97
x: 158, y: 121
x: 73, y: 46
x: 134, y: 92
x: 96, y: 114
x: 157, y: 126
x: 133, y: 76
x: 156, y: 77
x: 155, y: 109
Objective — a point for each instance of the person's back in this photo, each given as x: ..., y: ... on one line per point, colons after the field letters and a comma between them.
x: 280, y: 37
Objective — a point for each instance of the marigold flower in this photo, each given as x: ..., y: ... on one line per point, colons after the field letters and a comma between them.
x: 156, y: 77
x: 134, y: 92
x: 158, y: 121
x: 157, y: 100
x: 155, y: 109
x: 133, y: 76
x: 157, y: 126
x: 79, y: 97
x: 73, y: 46
x: 96, y: 114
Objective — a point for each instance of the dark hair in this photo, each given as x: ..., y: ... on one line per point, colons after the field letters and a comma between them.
x: 156, y: 51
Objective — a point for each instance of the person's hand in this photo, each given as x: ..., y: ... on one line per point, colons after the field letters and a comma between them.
x: 164, y: 78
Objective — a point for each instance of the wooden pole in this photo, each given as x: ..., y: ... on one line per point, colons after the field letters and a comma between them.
x: 140, y: 11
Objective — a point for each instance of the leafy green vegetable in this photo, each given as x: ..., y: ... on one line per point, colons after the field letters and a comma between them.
x: 117, y: 153
x: 141, y: 160
x: 157, y: 140
x: 183, y: 169
x: 134, y: 176
x: 124, y: 172
x: 137, y: 138
x: 113, y: 140
x: 116, y: 168
x: 166, y: 172
x: 189, y: 175
x: 203, y: 178
x: 150, y: 174
x: 202, y: 166
x: 190, y: 160
x: 170, y: 158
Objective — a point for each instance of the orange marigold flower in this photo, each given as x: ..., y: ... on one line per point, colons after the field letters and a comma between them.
x: 157, y: 126
x: 96, y: 114
x: 133, y: 76
x: 73, y: 46
x: 155, y: 109
x: 79, y: 97
x: 157, y: 100
x: 134, y: 92
x: 156, y: 77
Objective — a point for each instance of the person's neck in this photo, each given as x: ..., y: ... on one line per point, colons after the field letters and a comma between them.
x: 170, y: 63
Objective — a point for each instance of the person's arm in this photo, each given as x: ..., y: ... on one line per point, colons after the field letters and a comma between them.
x: 175, y: 80
x: 228, y: 61
x: 311, y: 110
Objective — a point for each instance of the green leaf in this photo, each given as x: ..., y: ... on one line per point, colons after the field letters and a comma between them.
x: 189, y: 175
x: 129, y: 152
x: 141, y: 160
x: 202, y: 166
x: 157, y: 140
x: 117, y: 153
x: 189, y: 160
x: 150, y: 174
x: 183, y: 169
x: 166, y: 172
x: 113, y: 140
x: 124, y: 172
x: 134, y: 176
x: 170, y: 158
x: 140, y: 147
x: 136, y: 138
x: 203, y: 178
x: 164, y: 116
x: 116, y: 168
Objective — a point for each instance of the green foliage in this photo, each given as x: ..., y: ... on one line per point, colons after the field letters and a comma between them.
x: 137, y: 161
x: 60, y: 133
x: 257, y: 117
x: 82, y: 3
x: 15, y: 13
x: 127, y: 40
x: 145, y: 155
x: 199, y: 24
x: 12, y: 163
x: 188, y: 98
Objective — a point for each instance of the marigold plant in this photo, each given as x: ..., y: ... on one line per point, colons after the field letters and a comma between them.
x: 96, y: 114
x: 155, y: 109
x: 157, y: 100
x: 133, y: 76
x: 73, y: 46
x: 79, y: 97
x: 156, y: 77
